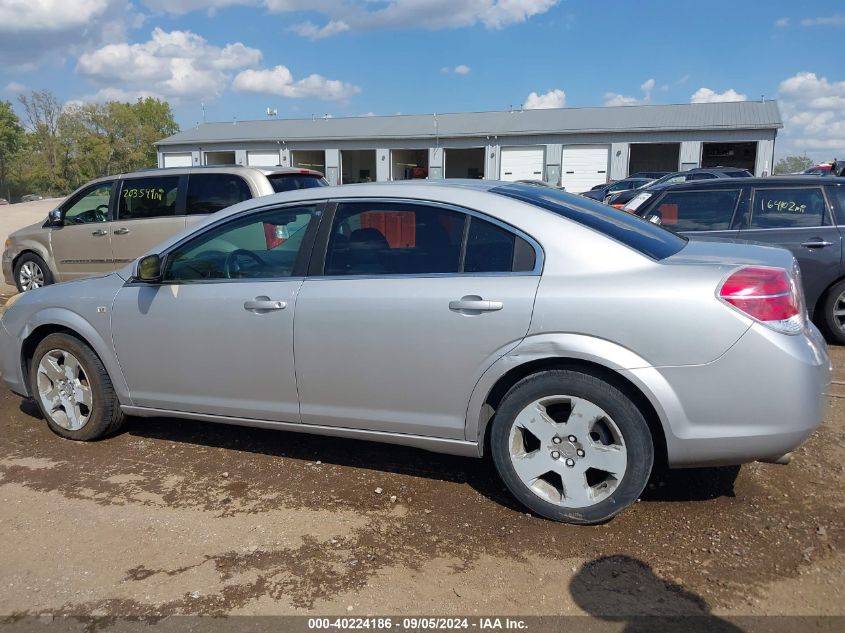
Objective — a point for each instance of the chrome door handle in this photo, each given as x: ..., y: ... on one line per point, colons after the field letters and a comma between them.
x: 264, y: 304
x: 100, y: 232
x: 121, y: 231
x: 474, y: 303
x: 816, y: 244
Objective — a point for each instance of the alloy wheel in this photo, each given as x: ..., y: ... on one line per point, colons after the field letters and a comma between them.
x: 31, y: 276
x: 64, y: 390
x: 567, y: 451
x: 839, y: 312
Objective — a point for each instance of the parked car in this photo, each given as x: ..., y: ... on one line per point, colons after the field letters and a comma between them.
x: 626, y: 199
x: 819, y: 170
x: 31, y: 197
x: 805, y: 214
x: 111, y: 221
x: 600, y: 193
x: 3, y: 201
x: 577, y: 344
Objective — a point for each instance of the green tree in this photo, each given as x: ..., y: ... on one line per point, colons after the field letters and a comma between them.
x: 11, y: 141
x: 793, y: 164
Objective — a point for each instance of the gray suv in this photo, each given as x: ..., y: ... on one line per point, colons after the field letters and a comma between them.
x: 112, y: 221
x: 805, y: 214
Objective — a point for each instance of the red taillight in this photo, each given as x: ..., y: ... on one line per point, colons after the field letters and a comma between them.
x: 765, y: 294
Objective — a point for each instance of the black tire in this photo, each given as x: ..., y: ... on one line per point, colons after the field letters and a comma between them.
x: 625, y: 415
x: 104, y: 415
x: 32, y: 260
x: 833, y: 331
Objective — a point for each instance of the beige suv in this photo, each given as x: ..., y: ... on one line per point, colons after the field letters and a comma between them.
x: 112, y: 221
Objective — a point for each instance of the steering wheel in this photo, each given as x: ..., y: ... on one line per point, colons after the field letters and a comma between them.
x: 231, y: 261
x: 101, y: 212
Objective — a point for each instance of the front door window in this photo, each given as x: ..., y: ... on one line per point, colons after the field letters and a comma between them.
x: 93, y: 206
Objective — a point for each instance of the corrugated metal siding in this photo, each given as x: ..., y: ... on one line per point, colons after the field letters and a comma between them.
x: 697, y: 116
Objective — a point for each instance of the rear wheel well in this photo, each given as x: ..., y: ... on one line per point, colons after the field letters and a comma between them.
x: 818, y: 313
x: 504, y: 384
x: 32, y: 341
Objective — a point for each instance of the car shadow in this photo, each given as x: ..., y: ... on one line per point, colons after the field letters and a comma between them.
x: 695, y: 484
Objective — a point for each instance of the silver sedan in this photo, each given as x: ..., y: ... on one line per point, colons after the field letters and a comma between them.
x: 577, y: 345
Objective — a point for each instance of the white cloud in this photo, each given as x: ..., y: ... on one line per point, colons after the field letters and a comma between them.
x: 35, y: 31
x: 617, y: 99
x: 552, y: 99
x: 386, y: 14
x: 814, y: 115
x: 172, y: 65
x: 280, y: 81
x: 706, y: 95
x: 833, y: 20
x: 460, y: 69
x: 13, y: 87
x: 782, y: 22
x: 313, y: 32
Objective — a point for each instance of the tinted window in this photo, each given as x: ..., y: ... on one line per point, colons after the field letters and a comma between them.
x: 838, y: 194
x: 372, y: 239
x: 492, y: 249
x: 259, y: 246
x: 290, y: 182
x: 208, y: 193
x: 152, y: 197
x: 91, y: 205
x: 701, y: 176
x: 787, y: 208
x: 696, y: 210
x: 647, y: 238
x: 738, y: 174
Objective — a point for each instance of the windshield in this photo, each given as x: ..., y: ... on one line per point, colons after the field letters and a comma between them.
x: 647, y: 238
x: 291, y: 182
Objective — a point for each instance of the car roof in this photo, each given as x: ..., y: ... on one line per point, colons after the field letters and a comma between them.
x: 210, y: 169
x: 721, y: 183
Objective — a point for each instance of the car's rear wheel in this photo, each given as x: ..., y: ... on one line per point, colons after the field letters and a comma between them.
x: 834, y: 313
x: 31, y: 272
x: 73, y: 389
x: 571, y: 447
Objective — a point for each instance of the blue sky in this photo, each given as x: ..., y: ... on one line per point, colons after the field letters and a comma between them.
x: 355, y: 57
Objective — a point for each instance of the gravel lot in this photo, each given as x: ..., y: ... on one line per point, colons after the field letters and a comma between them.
x: 178, y: 517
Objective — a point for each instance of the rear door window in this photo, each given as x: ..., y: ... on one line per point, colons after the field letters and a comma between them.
x: 208, y: 193
x: 788, y: 207
x: 151, y: 197
x: 697, y: 210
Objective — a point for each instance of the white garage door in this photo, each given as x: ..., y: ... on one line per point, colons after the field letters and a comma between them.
x: 584, y: 166
x: 178, y: 159
x: 262, y: 159
x: 522, y: 163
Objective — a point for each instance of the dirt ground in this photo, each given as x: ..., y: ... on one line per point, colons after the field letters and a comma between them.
x: 179, y: 517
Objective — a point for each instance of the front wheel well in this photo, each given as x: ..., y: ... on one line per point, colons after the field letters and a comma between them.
x: 504, y: 384
x: 32, y: 341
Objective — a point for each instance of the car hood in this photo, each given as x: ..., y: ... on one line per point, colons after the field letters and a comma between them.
x: 30, y: 231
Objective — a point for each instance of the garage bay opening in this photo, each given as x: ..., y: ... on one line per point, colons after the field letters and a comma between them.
x: 309, y: 159
x: 408, y: 164
x: 654, y: 157
x: 357, y: 165
x: 464, y: 163
x: 742, y: 155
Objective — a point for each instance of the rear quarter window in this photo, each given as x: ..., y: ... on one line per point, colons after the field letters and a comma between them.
x: 649, y: 239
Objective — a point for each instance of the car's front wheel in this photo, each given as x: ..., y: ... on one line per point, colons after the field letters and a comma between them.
x: 834, y: 314
x: 571, y: 447
x: 73, y: 390
x: 31, y: 272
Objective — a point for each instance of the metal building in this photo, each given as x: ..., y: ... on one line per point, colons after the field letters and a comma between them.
x: 573, y: 147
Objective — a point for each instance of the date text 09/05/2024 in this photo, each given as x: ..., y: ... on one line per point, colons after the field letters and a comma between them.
x: 415, y: 623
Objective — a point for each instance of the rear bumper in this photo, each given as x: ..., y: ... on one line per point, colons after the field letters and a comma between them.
x: 760, y: 400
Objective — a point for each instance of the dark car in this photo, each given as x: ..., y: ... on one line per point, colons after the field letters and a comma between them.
x: 600, y: 193
x: 651, y: 175
x: 623, y: 199
x: 805, y: 214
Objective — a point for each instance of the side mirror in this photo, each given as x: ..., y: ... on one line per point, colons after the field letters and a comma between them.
x: 54, y: 218
x: 149, y: 269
